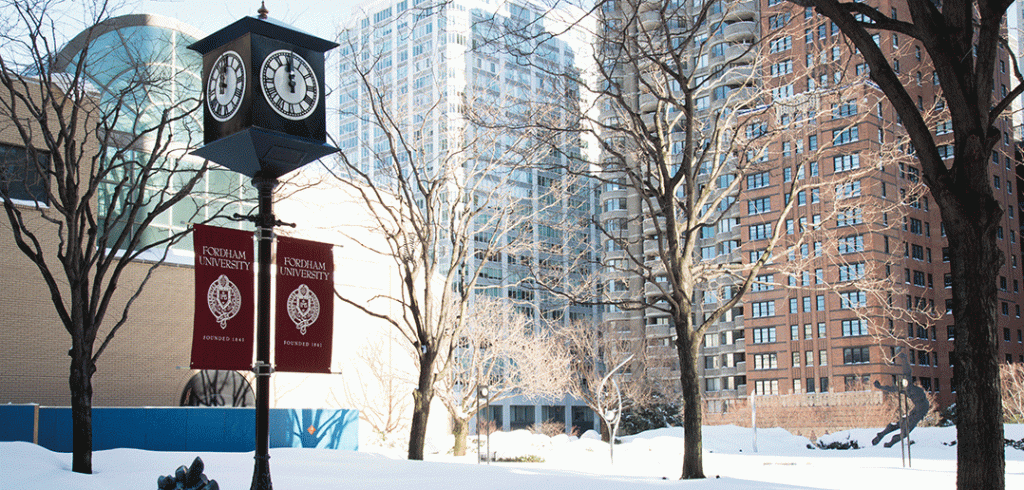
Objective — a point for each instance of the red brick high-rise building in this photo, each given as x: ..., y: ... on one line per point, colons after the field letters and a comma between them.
x: 873, y: 279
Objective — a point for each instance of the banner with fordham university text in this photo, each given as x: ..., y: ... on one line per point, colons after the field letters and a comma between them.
x: 305, y: 306
x: 223, y: 330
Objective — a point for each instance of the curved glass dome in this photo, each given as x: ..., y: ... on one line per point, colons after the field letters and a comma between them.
x: 141, y: 66
x: 141, y: 61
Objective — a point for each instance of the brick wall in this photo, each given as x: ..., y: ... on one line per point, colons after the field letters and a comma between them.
x: 809, y: 415
x: 140, y: 367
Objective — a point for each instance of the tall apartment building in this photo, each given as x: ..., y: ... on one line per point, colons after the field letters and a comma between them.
x: 822, y: 316
x: 825, y: 331
x: 428, y: 62
x: 722, y: 56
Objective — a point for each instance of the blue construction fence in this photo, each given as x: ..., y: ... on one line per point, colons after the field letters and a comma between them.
x: 210, y: 429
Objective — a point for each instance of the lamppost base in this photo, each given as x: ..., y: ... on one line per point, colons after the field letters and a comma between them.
x: 261, y: 473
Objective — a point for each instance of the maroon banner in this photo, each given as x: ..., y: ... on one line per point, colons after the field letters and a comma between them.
x: 304, y: 305
x: 222, y: 332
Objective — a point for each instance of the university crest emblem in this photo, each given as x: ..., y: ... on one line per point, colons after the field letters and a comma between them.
x: 303, y: 307
x: 224, y: 300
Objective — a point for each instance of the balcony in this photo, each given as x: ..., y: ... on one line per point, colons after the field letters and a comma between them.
x: 650, y: 246
x: 612, y: 316
x: 650, y: 20
x: 741, y: 31
x: 741, y: 53
x: 744, y: 95
x: 648, y: 102
x: 741, y: 11
x: 737, y: 76
x: 649, y: 225
x: 648, y: 119
x: 648, y: 5
x: 656, y: 289
x: 739, y: 369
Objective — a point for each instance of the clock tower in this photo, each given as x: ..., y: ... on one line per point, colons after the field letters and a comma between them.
x: 263, y: 89
x: 263, y: 116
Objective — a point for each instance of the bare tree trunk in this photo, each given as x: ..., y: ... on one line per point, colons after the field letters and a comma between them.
x: 693, y: 446
x: 422, y: 397
x: 975, y: 260
x: 80, y: 382
x: 460, y: 429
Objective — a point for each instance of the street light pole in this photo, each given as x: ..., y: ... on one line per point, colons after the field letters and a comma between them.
x: 265, y: 222
x: 256, y: 139
x: 478, y: 415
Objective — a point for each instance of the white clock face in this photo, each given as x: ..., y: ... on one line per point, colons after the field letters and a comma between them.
x: 289, y: 84
x: 225, y: 86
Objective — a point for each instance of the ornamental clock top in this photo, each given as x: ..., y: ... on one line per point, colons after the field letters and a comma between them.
x: 263, y: 85
x: 266, y: 27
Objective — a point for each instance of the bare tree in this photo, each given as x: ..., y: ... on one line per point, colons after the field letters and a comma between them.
x: 381, y: 392
x: 679, y: 136
x: 599, y: 354
x: 504, y: 350
x: 964, y: 41
x: 686, y: 127
x: 1011, y: 377
x: 448, y: 197
x: 94, y: 169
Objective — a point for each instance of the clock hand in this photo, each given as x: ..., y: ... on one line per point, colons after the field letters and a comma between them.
x: 223, y: 75
x: 291, y: 74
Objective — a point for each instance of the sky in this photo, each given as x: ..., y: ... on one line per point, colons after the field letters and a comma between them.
x: 318, y: 17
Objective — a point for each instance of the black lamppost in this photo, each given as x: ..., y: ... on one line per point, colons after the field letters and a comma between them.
x: 263, y: 88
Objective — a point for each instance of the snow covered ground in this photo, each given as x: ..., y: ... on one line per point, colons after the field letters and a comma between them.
x: 649, y: 460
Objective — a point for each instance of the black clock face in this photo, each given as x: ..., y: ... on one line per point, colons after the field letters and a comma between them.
x: 225, y: 86
x: 289, y: 84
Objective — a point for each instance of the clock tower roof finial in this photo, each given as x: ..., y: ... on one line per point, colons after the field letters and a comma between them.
x: 263, y: 10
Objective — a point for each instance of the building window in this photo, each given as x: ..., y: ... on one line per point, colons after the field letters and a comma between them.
x: 852, y: 299
x: 758, y: 180
x: 856, y: 355
x: 849, y: 217
x: 760, y: 232
x: 851, y: 272
x: 762, y: 309
x: 766, y: 387
x: 851, y: 244
x: 844, y: 136
x: 844, y: 163
x: 521, y: 416
x: 763, y: 335
x: 854, y: 327
x: 766, y: 361
x: 759, y: 205
x: 19, y: 177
